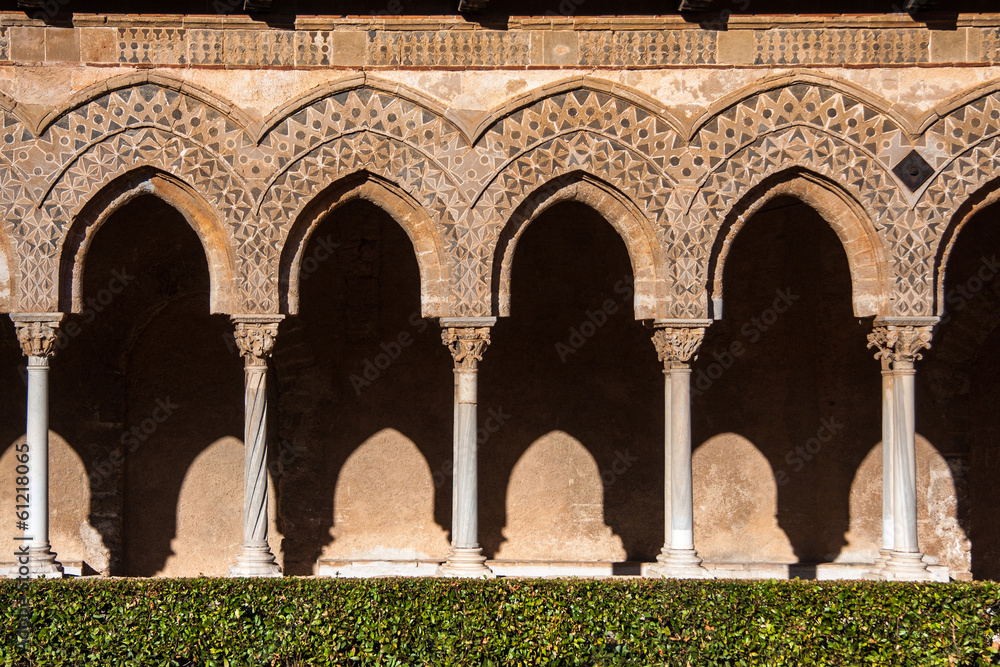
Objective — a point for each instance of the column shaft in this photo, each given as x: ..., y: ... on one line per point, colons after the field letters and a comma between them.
x: 676, y: 346
x: 681, y: 499
x: 905, y: 469
x: 467, y: 344
x: 465, y: 485
x: 37, y: 334
x: 255, y: 336
x: 888, y: 460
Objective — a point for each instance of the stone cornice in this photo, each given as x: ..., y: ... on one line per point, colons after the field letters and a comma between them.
x: 453, y: 42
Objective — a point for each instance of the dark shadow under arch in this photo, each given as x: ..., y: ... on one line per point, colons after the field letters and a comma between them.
x: 196, y: 211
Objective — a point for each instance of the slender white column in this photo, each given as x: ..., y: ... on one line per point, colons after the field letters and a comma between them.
x: 676, y: 346
x: 255, y: 337
x: 37, y: 333
x: 467, y: 339
x: 903, y: 345
x: 888, y: 464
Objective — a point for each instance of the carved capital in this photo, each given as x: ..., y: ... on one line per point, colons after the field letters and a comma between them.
x: 678, y: 344
x: 466, y: 345
x: 255, y: 337
x: 899, y: 343
x: 37, y: 334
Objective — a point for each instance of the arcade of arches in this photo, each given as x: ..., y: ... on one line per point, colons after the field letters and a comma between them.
x: 382, y: 315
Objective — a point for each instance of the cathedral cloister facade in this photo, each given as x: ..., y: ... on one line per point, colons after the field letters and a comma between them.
x: 713, y: 303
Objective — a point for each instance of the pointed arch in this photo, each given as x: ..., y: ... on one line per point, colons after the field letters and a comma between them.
x: 432, y: 258
x: 987, y: 195
x: 865, y: 253
x: 645, y: 253
x: 75, y: 243
x: 875, y: 104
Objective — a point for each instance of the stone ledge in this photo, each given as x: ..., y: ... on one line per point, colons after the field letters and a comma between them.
x: 454, y: 43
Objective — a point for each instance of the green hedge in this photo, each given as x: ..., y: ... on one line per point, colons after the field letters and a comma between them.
x: 505, y: 622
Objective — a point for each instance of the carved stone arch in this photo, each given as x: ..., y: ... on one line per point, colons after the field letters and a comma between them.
x: 865, y: 253
x: 611, y: 114
x: 636, y: 231
x: 576, y: 91
x: 987, y: 194
x: 356, y: 82
x: 906, y: 245
x: 133, y: 80
x: 73, y: 247
x: 428, y: 247
x: 8, y: 272
x: 411, y: 171
x: 875, y: 104
x: 792, y: 105
x: 154, y: 105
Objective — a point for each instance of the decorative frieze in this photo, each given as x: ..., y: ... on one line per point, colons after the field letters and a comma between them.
x: 207, y: 44
x: 645, y: 48
x: 842, y: 47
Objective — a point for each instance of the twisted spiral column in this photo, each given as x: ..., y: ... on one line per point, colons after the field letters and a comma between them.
x: 255, y: 337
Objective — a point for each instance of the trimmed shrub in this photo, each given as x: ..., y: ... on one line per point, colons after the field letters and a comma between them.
x: 502, y: 623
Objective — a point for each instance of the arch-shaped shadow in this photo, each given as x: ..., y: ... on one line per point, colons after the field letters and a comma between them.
x: 143, y: 181
x: 432, y: 261
x: 938, y: 531
x: 360, y: 372
x: 555, y: 505
x: 957, y: 387
x: 572, y: 359
x: 644, y: 251
x: 787, y: 368
x: 736, y: 504
x: 865, y: 254
x: 148, y: 379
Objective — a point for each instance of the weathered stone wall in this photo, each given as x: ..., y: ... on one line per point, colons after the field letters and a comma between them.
x: 363, y: 175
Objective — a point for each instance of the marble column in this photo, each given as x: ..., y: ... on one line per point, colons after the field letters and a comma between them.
x: 466, y: 339
x: 37, y: 334
x: 255, y: 335
x: 676, y: 346
x: 900, y: 345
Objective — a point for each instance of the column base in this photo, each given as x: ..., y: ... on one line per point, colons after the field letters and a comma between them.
x: 875, y: 573
x: 255, y: 561
x: 679, y: 564
x: 905, y: 566
x: 467, y: 562
x: 42, y: 564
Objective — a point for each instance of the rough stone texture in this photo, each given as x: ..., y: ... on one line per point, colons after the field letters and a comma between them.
x: 938, y: 528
